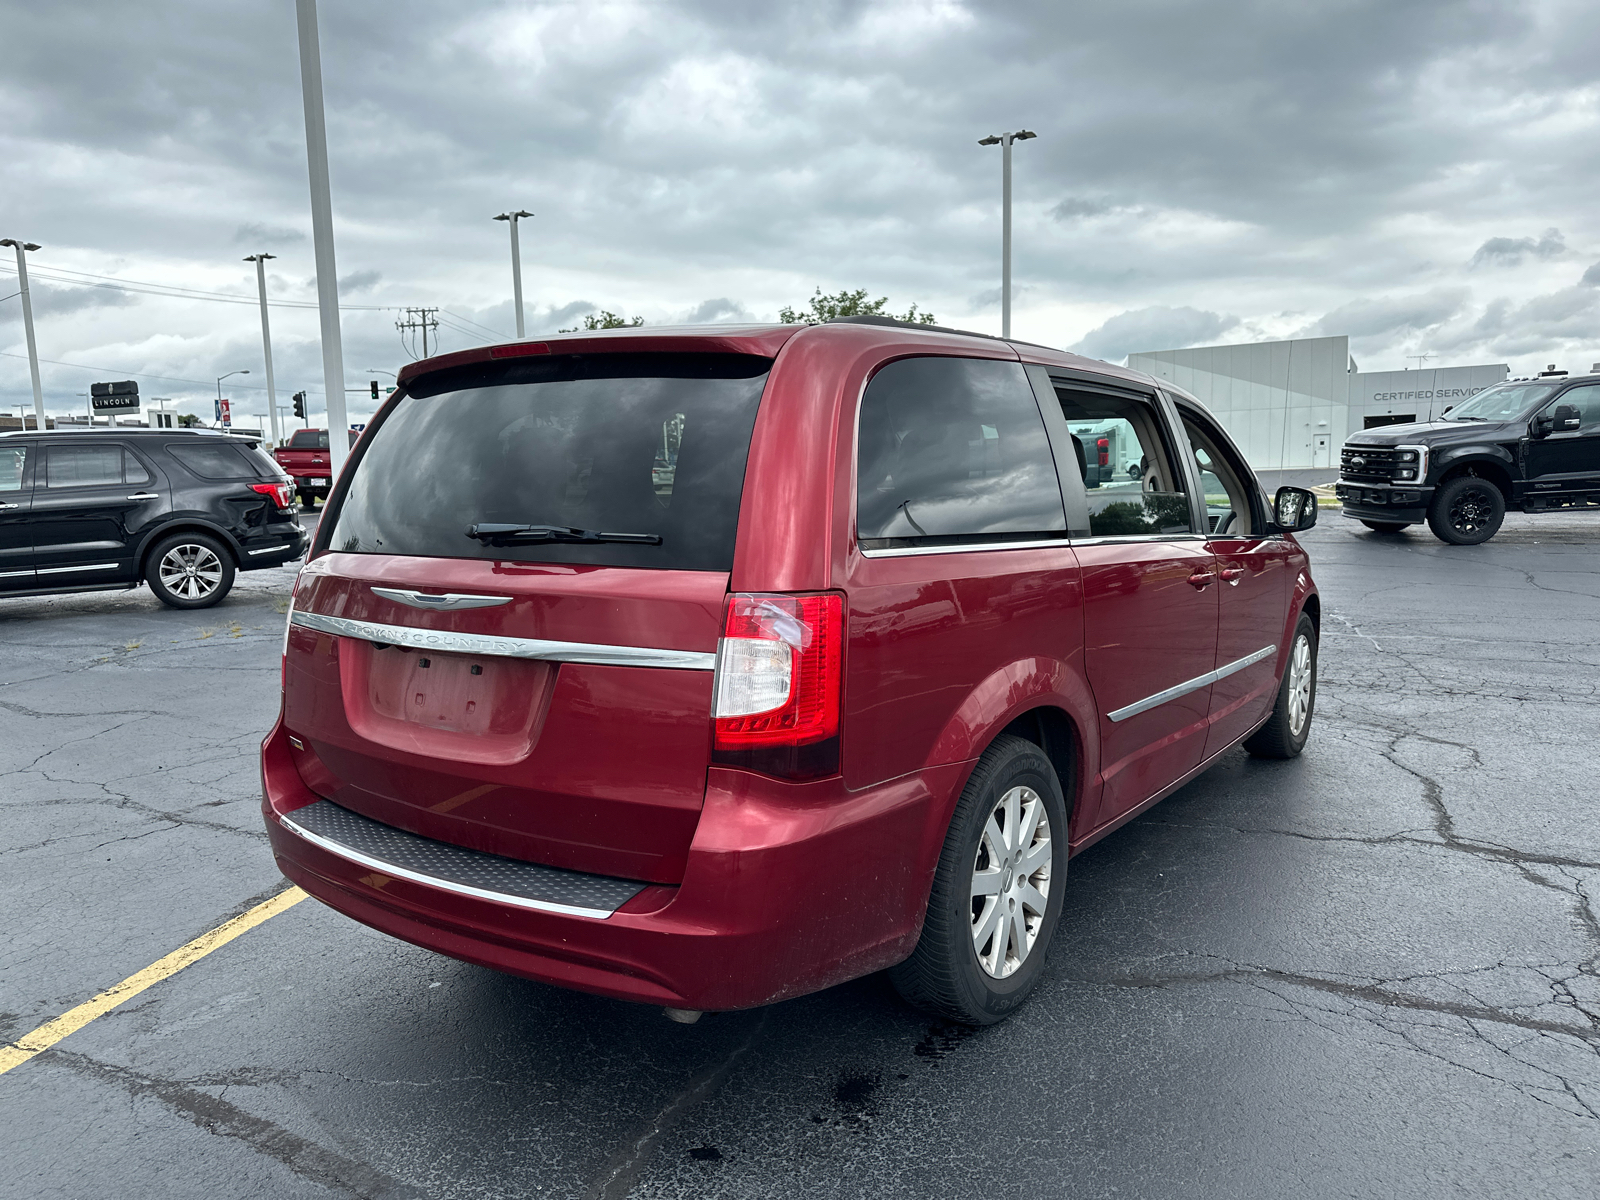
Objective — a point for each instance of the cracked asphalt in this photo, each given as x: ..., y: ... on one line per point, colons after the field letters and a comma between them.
x: 1373, y: 971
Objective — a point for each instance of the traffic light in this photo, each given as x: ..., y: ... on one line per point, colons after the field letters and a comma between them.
x: 374, y: 389
x: 300, y: 405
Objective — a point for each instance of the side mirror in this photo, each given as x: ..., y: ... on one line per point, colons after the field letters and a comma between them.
x: 1564, y: 419
x: 1447, y: 408
x: 1294, y: 509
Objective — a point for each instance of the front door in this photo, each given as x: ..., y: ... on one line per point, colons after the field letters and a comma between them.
x: 1149, y: 599
x: 16, y: 535
x: 93, y: 496
x: 1568, y: 463
x: 1254, y: 586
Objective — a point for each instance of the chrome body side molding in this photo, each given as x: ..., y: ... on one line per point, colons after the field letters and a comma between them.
x: 1191, y: 685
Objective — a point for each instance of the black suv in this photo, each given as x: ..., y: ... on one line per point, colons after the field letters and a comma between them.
x: 180, y: 510
x: 1528, y: 444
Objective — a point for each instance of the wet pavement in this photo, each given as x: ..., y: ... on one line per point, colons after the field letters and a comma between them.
x: 1368, y: 972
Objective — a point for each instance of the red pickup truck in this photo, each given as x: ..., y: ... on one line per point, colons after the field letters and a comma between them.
x: 305, y: 458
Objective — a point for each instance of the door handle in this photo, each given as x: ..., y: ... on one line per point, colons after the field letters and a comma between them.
x: 1232, y: 574
x: 4, y: 506
x: 144, y: 496
x: 1201, y: 579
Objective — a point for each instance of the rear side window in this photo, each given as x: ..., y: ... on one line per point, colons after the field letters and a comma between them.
x: 953, y: 450
x: 89, y: 466
x: 13, y: 461
x: 1133, y: 484
x: 216, y: 460
x: 651, y: 444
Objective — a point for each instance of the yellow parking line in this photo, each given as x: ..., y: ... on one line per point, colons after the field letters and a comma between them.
x: 14, y: 1054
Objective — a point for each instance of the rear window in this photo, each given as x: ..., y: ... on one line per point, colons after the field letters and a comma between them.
x: 215, y: 460
x: 309, y: 439
x: 622, y: 443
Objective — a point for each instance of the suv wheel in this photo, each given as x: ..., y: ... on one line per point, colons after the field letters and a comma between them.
x: 1466, y: 511
x: 997, y: 892
x: 1285, y: 733
x: 189, y: 570
x: 1387, y: 526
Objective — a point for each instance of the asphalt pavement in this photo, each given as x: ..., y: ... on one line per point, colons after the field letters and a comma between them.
x: 1371, y: 971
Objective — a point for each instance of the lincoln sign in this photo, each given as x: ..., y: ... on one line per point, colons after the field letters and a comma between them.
x: 114, y: 397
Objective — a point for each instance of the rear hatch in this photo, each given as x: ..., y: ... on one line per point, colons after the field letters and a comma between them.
x: 508, y: 644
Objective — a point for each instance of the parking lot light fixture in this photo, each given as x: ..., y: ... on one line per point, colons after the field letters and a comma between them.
x: 260, y: 261
x: 27, y: 325
x: 516, y: 265
x: 1004, y: 140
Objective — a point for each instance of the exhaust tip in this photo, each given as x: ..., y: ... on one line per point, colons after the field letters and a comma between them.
x: 683, y: 1016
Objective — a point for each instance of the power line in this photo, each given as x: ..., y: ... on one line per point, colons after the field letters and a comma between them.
x: 137, y: 287
x: 474, y: 324
x: 418, y: 319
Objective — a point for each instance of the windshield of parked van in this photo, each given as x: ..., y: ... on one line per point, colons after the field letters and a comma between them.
x: 1503, y: 402
x: 650, y: 444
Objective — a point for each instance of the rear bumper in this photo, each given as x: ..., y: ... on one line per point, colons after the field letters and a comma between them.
x: 789, y: 888
x: 1384, y: 502
x: 274, y: 551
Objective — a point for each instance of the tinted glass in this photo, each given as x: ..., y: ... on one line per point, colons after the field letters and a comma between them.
x: 622, y: 443
x: 1503, y: 402
x: 83, y: 466
x: 213, y: 460
x: 1130, y: 480
x: 1226, y: 494
x: 133, y: 470
x: 261, y: 462
x: 13, y: 464
x: 1586, y: 400
x: 953, y: 449
x: 309, y: 439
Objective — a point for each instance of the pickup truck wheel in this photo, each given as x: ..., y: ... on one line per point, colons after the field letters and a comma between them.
x: 1466, y: 511
x: 997, y: 892
x: 1285, y: 733
x: 1387, y: 526
x: 189, y: 570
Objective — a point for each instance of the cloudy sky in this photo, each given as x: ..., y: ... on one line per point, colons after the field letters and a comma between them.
x: 1419, y: 175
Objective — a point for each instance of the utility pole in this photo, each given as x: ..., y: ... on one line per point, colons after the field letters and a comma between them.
x: 322, y: 233
x: 516, y: 265
x: 27, y: 328
x: 1004, y: 141
x: 423, y: 319
x: 260, y: 261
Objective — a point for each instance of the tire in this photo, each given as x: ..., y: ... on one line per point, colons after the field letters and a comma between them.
x: 189, y: 570
x: 308, y: 499
x: 947, y: 974
x: 1387, y: 526
x: 1466, y: 511
x: 1285, y: 733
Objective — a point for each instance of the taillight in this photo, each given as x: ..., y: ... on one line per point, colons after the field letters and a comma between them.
x: 780, y: 670
x: 281, y: 493
x: 1104, y: 446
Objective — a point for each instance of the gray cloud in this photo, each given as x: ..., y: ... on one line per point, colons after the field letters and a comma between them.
x: 1591, y: 277
x: 359, y: 281
x: 1509, y: 252
x: 55, y: 300
x: 718, y: 310
x: 1154, y: 328
x: 1077, y: 207
x: 257, y: 234
x: 1389, y: 316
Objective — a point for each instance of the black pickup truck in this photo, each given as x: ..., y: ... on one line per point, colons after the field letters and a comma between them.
x: 1527, y: 444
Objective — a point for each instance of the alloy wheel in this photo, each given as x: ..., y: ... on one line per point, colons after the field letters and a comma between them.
x: 1299, y: 684
x: 190, y: 571
x: 1011, y: 882
x: 1470, y: 511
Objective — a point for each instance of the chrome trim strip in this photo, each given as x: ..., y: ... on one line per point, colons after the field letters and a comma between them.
x: 438, y: 600
x: 1116, y: 539
x: 1192, y: 685
x: 506, y: 647
x: 64, y: 570
x: 963, y: 548
x: 271, y: 550
x: 14, y: 574
x: 377, y: 864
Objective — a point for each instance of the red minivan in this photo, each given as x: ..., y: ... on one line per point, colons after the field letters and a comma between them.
x: 709, y: 667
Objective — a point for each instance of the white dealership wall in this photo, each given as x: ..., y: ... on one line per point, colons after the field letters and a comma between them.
x: 1291, y: 404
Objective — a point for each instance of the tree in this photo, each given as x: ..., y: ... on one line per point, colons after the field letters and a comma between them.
x: 187, y: 420
x: 604, y: 319
x: 849, y: 304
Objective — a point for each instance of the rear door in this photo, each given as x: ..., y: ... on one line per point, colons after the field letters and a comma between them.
x: 1149, y: 596
x: 547, y: 700
x: 94, y: 497
x: 16, y: 500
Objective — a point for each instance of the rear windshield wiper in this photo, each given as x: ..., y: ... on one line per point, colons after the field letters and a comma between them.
x: 512, y: 535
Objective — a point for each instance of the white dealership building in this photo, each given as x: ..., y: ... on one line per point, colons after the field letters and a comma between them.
x: 1291, y: 404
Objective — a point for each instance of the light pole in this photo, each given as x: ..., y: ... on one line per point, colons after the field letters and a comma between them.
x: 516, y: 263
x: 260, y: 261
x: 322, y: 232
x: 27, y: 328
x: 1004, y: 141
x: 220, y: 378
